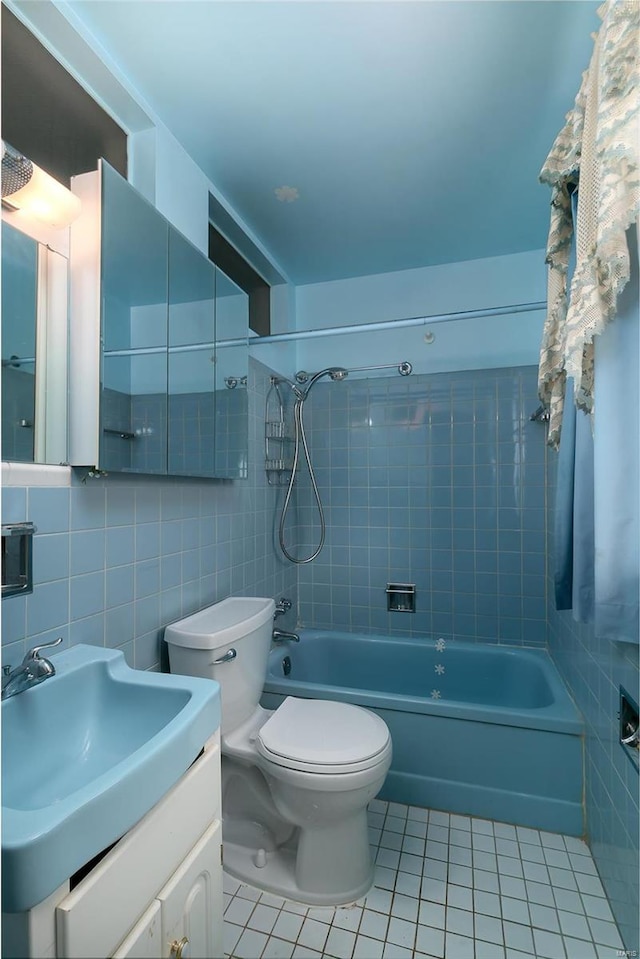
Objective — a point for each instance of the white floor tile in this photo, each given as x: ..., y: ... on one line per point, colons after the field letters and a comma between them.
x: 401, y: 933
x: 548, y: 945
x: 379, y: 900
x: 250, y: 944
x: 515, y: 910
x: 574, y: 925
x: 391, y: 951
x: 460, y: 897
x: 374, y: 925
x: 366, y: 948
x: 487, y: 903
x: 597, y: 908
x: 313, y: 934
x: 239, y: 910
x: 408, y: 885
x: 518, y: 936
x: 348, y: 917
x: 405, y: 907
x: 263, y: 918
x: 278, y: 949
x: 446, y: 885
x: 230, y: 935
x: 287, y: 926
x: 579, y: 949
x: 569, y: 901
x: 431, y: 914
x: 605, y: 933
x: 340, y: 943
x: 543, y: 917
x: 459, y: 947
x: 430, y: 941
x: 459, y: 921
x: 489, y: 929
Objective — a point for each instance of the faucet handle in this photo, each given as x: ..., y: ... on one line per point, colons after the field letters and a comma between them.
x: 34, y: 653
x: 282, y: 606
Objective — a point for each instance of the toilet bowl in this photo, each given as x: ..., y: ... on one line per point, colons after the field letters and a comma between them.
x: 295, y: 781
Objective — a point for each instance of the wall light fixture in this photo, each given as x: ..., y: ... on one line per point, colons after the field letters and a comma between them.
x: 26, y: 187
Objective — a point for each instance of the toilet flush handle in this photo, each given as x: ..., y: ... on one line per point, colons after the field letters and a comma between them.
x: 228, y: 656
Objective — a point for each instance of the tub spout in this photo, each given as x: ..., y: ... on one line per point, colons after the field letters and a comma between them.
x: 280, y: 636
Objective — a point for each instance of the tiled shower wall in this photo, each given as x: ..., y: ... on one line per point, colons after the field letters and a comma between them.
x: 117, y: 559
x: 436, y: 480
x: 594, y: 670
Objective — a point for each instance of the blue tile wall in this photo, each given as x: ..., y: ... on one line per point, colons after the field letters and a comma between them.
x: 436, y: 480
x: 594, y: 669
x: 118, y: 558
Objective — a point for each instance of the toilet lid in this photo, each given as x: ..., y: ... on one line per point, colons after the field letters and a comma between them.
x: 319, y: 733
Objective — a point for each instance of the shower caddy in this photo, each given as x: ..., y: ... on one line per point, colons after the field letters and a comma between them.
x: 277, y: 439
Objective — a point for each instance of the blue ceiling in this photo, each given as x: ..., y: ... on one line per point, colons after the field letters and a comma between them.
x: 413, y: 132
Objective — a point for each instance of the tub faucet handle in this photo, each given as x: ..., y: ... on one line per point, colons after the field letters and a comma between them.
x: 282, y: 606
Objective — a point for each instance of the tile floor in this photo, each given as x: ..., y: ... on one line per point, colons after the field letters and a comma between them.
x: 445, y: 886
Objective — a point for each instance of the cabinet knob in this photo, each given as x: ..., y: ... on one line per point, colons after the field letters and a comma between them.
x: 180, y: 950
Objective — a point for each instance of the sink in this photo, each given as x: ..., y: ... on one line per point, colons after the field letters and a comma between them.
x: 84, y: 756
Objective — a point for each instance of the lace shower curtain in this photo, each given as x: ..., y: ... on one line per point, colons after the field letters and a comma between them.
x: 583, y: 353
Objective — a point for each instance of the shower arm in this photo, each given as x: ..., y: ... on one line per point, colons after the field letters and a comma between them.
x: 404, y: 369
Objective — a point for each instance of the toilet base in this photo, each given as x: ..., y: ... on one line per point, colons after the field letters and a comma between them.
x: 278, y: 875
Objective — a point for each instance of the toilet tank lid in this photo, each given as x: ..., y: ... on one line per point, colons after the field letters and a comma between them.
x: 222, y: 623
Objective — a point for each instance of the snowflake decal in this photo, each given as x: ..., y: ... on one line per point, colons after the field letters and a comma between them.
x: 436, y: 694
x: 439, y: 669
x: 440, y: 645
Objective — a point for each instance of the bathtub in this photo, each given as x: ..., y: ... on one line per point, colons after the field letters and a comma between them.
x: 487, y: 731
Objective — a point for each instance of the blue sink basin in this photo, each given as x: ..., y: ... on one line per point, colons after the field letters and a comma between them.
x: 84, y: 756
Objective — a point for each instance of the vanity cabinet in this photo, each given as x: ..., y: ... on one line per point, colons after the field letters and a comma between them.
x: 146, y: 394
x: 157, y: 893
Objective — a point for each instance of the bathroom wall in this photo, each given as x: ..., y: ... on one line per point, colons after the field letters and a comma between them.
x: 594, y: 670
x: 512, y: 339
x: 117, y: 559
x: 436, y: 480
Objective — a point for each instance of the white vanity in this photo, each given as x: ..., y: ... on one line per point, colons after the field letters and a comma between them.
x: 156, y: 891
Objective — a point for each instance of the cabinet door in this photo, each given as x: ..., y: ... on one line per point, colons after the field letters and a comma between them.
x: 144, y: 940
x: 191, y: 902
x: 134, y: 266
x: 191, y: 440
x: 232, y: 367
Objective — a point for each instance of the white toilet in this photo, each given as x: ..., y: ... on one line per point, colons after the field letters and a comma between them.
x: 295, y: 781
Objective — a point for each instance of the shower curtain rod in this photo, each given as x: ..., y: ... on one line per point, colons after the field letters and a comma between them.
x: 397, y: 324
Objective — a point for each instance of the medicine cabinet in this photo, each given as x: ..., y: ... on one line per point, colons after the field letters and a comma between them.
x: 148, y: 390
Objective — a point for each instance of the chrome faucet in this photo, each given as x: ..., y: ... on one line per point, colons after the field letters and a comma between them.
x: 282, y: 606
x: 33, y: 670
x: 280, y: 636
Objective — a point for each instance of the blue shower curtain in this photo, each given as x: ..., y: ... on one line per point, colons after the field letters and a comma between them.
x: 617, y: 471
x: 597, y: 530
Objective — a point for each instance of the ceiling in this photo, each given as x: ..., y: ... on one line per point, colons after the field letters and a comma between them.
x: 413, y: 132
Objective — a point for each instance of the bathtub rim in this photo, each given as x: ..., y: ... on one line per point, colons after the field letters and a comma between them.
x: 562, y: 715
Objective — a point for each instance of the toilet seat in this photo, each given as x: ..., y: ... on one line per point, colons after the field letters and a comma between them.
x: 321, y: 736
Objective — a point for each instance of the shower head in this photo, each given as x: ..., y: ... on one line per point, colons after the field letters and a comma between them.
x: 338, y: 373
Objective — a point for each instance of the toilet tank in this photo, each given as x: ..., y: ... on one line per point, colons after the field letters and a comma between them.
x: 242, y: 625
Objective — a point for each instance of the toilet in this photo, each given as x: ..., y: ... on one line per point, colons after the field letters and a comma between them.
x: 296, y: 781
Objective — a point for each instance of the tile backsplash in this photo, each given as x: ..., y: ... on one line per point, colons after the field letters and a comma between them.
x: 436, y: 480
x: 118, y: 558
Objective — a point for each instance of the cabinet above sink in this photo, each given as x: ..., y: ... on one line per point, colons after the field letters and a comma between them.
x: 159, y: 343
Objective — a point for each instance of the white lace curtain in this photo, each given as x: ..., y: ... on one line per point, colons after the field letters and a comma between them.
x: 597, y: 150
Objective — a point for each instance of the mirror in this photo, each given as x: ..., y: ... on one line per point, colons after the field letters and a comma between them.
x: 192, y: 281
x: 134, y: 331
x: 232, y: 369
x: 19, y: 318
x: 34, y: 350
